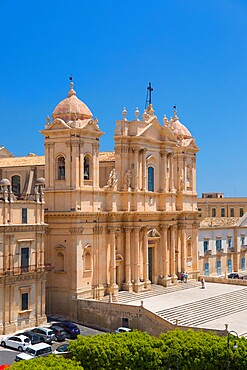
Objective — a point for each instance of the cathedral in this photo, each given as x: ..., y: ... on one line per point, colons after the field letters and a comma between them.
x: 80, y: 223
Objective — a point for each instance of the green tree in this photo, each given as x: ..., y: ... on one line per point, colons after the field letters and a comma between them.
x: 49, y: 362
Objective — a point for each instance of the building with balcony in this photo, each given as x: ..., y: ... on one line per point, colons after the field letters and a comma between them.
x: 222, y: 245
x: 22, y: 270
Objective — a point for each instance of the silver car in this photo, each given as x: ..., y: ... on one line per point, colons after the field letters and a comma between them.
x: 47, y: 334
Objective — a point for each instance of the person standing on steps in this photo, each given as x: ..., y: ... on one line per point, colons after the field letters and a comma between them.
x: 203, y: 283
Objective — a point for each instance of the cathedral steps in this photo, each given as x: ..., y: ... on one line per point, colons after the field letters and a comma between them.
x: 205, y: 310
x: 156, y: 290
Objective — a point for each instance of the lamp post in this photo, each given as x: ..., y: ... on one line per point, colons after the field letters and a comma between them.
x: 228, y: 346
x: 175, y: 359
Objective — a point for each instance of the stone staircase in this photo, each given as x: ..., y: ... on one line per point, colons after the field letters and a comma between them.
x: 156, y: 290
x: 197, y: 313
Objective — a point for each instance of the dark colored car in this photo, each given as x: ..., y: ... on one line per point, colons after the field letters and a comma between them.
x: 34, y: 337
x: 60, y: 333
x: 233, y: 275
x: 71, y: 329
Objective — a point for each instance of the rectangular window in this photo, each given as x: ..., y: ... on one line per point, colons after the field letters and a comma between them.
x: 229, y: 265
x: 222, y: 212
x: 229, y: 242
x: 125, y: 322
x: 24, y: 259
x: 218, y: 268
x: 206, y: 269
x: 242, y: 240
x: 24, y: 301
x: 213, y: 212
x: 231, y: 212
x: 205, y: 244
x: 241, y: 212
x: 243, y: 263
x: 218, y: 244
x: 24, y: 215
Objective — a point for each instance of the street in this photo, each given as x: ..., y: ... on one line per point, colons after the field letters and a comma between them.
x: 7, y: 355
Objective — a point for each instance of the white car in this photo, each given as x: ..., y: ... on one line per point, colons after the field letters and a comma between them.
x: 37, y: 350
x: 20, y: 342
x: 47, y: 334
x: 122, y: 329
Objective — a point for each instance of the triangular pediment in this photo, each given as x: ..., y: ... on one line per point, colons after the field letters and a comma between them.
x: 156, y: 131
x: 57, y: 124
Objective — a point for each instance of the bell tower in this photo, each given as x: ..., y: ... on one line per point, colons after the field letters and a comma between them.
x: 71, y: 152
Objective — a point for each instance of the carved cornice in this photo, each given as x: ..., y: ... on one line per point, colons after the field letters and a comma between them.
x: 22, y: 228
x: 76, y: 230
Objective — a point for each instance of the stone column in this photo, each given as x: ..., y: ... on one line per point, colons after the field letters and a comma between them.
x: 128, y: 285
x: 136, y: 250
x: 144, y: 170
x: 164, y: 171
x: 74, y: 164
x: 136, y: 169
x: 194, y: 175
x: 194, y: 246
x: 172, y: 172
x: 165, y: 280
x: 173, y: 253
x: 183, y: 249
x: 113, y: 286
x: 95, y: 165
x: 147, y: 282
x: 81, y: 164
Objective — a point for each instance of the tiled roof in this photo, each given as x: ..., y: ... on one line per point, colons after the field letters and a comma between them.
x: 107, y: 156
x: 219, y: 221
x: 22, y: 161
x: 40, y: 160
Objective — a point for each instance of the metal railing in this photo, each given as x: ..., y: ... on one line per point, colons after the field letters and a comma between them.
x: 22, y: 270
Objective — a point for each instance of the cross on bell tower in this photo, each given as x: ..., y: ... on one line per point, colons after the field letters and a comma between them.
x: 149, y: 95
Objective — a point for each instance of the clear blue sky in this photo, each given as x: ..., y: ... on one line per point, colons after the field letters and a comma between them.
x: 193, y: 51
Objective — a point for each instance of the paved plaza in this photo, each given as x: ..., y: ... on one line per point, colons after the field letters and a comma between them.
x: 212, y: 307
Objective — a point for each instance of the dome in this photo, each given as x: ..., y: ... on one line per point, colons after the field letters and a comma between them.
x: 71, y: 108
x: 178, y: 128
x: 5, y: 182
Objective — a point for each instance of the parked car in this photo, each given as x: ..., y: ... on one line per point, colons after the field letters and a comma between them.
x: 62, y: 351
x: 122, y: 329
x: 47, y: 334
x: 233, y: 275
x: 19, y: 342
x: 71, y: 329
x: 34, y: 337
x: 34, y: 351
x: 60, y: 333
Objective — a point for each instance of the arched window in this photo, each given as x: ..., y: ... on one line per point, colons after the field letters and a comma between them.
x: 60, y: 261
x: 150, y: 179
x: 87, y: 167
x: 16, y: 185
x: 61, y: 168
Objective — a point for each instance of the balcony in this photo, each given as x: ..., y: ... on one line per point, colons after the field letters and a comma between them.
x: 208, y: 252
x: 243, y: 248
x: 230, y: 250
x: 219, y: 251
x: 21, y: 270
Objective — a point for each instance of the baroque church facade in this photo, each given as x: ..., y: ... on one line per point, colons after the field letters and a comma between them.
x: 113, y: 221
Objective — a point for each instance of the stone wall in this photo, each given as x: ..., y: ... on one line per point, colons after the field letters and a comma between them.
x: 108, y: 316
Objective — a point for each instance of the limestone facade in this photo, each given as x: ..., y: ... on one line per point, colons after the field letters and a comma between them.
x: 22, y: 270
x: 222, y: 245
x: 116, y: 220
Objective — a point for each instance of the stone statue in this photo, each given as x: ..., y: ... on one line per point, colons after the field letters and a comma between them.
x: 127, y: 179
x: 112, y: 181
